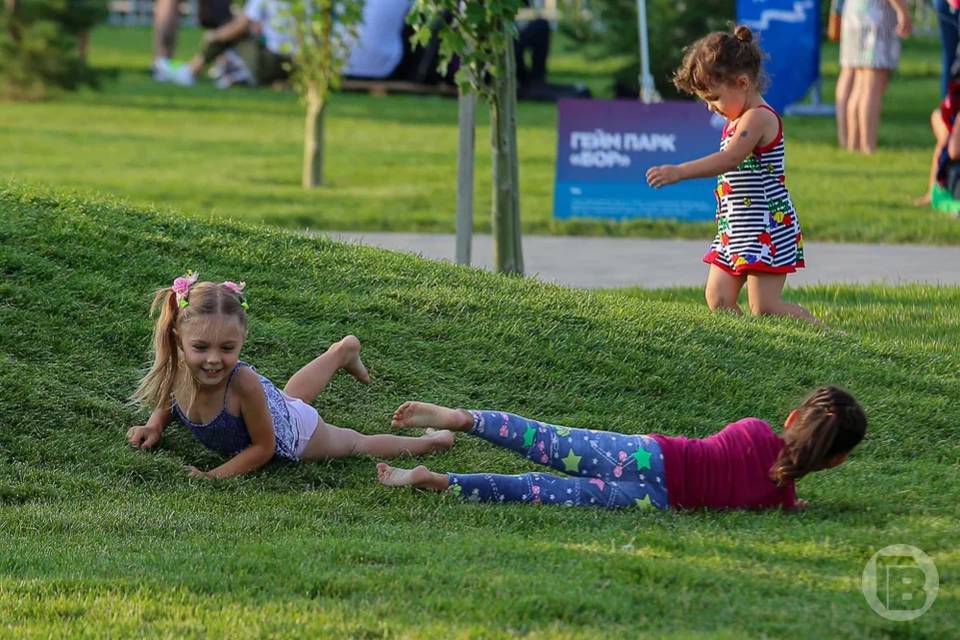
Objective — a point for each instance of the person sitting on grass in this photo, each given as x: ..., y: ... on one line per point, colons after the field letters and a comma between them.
x: 257, y: 43
x: 947, y: 146
x: 198, y: 378
x: 744, y: 466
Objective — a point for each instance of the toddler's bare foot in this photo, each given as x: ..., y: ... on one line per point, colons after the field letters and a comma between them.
x: 350, y: 347
x: 411, y: 415
x: 417, y: 477
x: 442, y: 439
x: 922, y: 201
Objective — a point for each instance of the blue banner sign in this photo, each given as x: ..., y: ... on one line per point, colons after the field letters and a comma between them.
x: 604, y: 148
x: 789, y: 33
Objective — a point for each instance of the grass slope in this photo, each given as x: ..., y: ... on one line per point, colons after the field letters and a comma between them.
x: 100, y: 540
x: 391, y: 161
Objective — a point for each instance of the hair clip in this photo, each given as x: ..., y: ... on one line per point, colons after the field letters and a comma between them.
x: 181, y: 287
x: 237, y: 289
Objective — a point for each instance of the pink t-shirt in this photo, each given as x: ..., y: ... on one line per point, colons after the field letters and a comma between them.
x: 728, y: 470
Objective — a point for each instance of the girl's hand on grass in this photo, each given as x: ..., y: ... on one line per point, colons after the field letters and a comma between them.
x: 663, y: 175
x: 800, y: 505
x: 193, y: 472
x: 143, y: 437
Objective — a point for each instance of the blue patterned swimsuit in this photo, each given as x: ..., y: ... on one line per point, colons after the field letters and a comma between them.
x: 227, y: 433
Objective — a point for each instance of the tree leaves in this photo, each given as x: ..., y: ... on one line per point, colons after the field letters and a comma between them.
x: 473, y: 32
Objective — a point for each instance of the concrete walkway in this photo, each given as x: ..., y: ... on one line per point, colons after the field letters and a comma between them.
x: 620, y: 262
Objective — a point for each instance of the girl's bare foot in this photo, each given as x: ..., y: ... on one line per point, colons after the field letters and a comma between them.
x: 417, y: 477
x: 442, y: 439
x: 922, y: 201
x: 411, y: 415
x: 350, y: 347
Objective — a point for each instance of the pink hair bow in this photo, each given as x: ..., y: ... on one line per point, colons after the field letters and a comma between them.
x: 237, y: 289
x: 181, y: 287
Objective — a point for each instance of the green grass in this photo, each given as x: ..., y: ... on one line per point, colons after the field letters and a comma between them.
x: 391, y: 161
x: 103, y: 541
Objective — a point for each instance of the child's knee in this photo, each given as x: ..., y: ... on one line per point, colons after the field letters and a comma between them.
x: 764, y: 307
x: 718, y: 300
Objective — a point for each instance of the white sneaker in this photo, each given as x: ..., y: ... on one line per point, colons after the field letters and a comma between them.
x: 162, y: 70
x: 182, y: 76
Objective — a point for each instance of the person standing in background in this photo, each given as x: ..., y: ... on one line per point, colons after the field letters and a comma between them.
x: 870, y: 45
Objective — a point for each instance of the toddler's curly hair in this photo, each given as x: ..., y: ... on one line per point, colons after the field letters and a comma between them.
x: 718, y: 58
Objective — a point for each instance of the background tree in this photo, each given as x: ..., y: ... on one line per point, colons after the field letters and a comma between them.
x: 323, y: 31
x: 479, y: 35
x: 39, y: 45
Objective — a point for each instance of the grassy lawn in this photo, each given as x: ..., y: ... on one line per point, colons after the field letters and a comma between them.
x: 391, y: 161
x: 103, y: 541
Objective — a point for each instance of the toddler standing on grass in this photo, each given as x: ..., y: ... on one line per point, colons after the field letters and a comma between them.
x: 744, y: 466
x: 197, y: 377
x: 758, y: 240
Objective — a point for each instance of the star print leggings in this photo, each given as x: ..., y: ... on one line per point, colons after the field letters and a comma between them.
x: 606, y: 469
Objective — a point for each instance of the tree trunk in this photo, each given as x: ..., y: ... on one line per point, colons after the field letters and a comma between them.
x: 313, y: 140
x: 507, y: 248
x: 465, y: 158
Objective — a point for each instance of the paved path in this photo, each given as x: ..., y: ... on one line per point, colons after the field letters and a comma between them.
x: 620, y: 262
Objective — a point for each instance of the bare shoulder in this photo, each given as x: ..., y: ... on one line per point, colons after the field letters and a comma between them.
x: 246, y: 384
x: 761, y: 117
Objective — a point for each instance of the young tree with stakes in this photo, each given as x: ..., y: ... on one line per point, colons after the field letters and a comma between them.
x: 323, y: 31
x: 480, y: 34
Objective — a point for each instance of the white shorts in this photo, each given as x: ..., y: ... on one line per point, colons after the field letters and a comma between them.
x: 304, y: 419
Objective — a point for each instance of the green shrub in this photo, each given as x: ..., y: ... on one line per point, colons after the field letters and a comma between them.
x: 610, y: 29
x: 39, y: 45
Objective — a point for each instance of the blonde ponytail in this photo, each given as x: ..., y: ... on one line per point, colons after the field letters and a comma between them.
x: 156, y: 387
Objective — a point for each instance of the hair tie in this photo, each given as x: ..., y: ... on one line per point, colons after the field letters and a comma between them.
x: 237, y: 289
x: 181, y: 287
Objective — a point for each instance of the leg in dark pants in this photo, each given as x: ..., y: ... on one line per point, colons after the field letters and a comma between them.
x: 947, y: 18
x: 535, y: 38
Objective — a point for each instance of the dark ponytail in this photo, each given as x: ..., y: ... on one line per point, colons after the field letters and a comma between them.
x: 828, y: 423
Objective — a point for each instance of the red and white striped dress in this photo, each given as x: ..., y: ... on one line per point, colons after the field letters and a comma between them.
x: 757, y: 226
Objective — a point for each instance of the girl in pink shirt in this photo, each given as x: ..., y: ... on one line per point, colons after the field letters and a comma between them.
x: 744, y: 466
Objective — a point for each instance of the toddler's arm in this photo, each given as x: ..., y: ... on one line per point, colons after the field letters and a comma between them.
x: 256, y: 415
x: 145, y: 436
x: 755, y: 125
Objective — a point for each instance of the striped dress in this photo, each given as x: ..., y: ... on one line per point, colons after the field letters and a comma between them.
x: 757, y: 226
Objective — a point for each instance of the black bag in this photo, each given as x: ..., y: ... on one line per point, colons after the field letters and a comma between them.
x: 214, y: 13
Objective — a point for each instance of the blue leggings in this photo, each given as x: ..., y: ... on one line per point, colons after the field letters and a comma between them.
x: 606, y: 469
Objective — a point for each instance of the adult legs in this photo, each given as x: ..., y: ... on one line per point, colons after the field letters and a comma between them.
x: 723, y: 289
x: 853, y: 110
x: 842, y: 98
x: 308, y: 382
x: 871, y: 101
x: 947, y: 19
x: 164, y: 28
x: 534, y: 37
x: 764, y: 290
